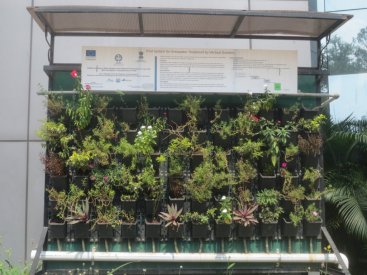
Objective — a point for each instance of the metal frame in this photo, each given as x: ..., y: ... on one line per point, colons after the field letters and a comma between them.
x: 38, y: 15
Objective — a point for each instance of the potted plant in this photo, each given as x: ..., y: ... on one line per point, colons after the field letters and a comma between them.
x: 310, y: 147
x: 78, y: 215
x: 58, y: 206
x: 173, y: 221
x: 291, y: 224
x: 129, y: 225
x: 291, y: 157
x: 223, y: 218
x: 312, y: 177
x: 312, y: 221
x: 153, y: 191
x: 200, y: 187
x: 107, y: 216
x: 55, y: 168
x: 199, y: 224
x: 270, y: 211
x: 245, y: 218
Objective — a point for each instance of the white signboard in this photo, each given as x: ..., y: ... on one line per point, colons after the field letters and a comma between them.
x: 189, y: 70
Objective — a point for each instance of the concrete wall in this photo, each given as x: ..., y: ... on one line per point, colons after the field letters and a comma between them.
x: 23, y: 52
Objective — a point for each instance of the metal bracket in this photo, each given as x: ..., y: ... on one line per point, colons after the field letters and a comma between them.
x: 38, y: 252
x: 335, y: 249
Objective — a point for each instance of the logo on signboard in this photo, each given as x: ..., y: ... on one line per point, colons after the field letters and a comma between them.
x: 141, y: 55
x: 90, y: 54
x: 118, y: 58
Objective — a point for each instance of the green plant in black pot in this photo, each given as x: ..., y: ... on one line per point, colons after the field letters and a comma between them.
x: 172, y: 216
x: 268, y: 200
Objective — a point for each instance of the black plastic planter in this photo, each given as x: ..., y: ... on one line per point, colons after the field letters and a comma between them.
x: 311, y: 229
x: 80, y: 230
x: 104, y: 231
x: 287, y: 206
x: 289, y: 229
x: 128, y: 206
x: 200, y: 207
x: 222, y: 230
x: 175, y: 232
x: 56, y: 230
x: 152, y: 230
x: 152, y: 207
x: 268, y: 229
x: 200, y: 231
x: 59, y: 183
x: 129, y: 115
x: 129, y: 230
x: 245, y: 231
x: 309, y: 160
x: 267, y: 182
x: 175, y: 117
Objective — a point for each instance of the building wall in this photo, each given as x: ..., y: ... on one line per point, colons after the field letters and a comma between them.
x: 23, y: 52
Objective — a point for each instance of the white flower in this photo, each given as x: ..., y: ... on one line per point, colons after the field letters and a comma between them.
x: 315, y: 213
x: 224, y: 210
x: 139, y: 133
x: 223, y: 198
x: 149, y: 127
x: 142, y: 127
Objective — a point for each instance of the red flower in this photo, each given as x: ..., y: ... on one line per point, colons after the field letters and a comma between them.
x: 255, y: 118
x: 74, y: 74
x: 88, y: 87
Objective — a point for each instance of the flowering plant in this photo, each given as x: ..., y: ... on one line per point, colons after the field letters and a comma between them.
x: 313, y: 213
x: 80, y: 109
x: 224, y: 212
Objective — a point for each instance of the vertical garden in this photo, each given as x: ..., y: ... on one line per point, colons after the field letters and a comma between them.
x: 188, y: 174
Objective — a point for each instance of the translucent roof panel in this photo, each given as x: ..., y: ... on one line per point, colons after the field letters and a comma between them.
x: 256, y: 25
x: 92, y: 22
x: 119, y: 21
x: 188, y: 24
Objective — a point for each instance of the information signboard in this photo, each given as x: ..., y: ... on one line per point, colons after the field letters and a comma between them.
x: 189, y: 70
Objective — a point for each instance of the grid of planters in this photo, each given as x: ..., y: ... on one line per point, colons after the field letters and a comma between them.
x: 191, y: 173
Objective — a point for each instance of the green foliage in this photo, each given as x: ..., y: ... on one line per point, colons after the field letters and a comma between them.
x: 313, y: 125
x: 312, y: 175
x: 51, y: 132
x: 80, y: 107
x: 224, y: 212
x: 274, y: 136
x: 291, y: 151
x: 249, y: 148
x: 80, y: 159
x: 196, y: 218
x: 128, y: 217
x: 105, y: 129
x: 296, y: 216
x: 9, y: 268
x: 246, y: 171
x: 268, y: 197
x: 312, y: 213
x: 268, y: 200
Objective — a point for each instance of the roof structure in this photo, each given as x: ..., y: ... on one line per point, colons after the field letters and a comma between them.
x: 168, y: 22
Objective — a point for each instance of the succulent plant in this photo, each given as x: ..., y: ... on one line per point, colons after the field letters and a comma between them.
x: 171, y: 217
x: 245, y: 215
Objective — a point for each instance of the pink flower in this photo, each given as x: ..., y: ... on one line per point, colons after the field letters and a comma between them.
x: 315, y: 213
x: 284, y: 165
x: 88, y: 87
x: 74, y: 74
x: 105, y: 178
x: 255, y: 118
